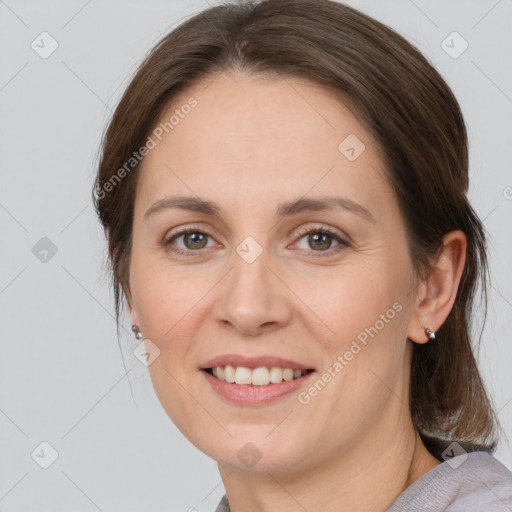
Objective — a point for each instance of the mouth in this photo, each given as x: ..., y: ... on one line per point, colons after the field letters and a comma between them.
x: 260, y: 376
x: 259, y: 386
x: 255, y: 380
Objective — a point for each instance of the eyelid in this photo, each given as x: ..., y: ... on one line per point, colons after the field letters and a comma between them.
x: 320, y: 228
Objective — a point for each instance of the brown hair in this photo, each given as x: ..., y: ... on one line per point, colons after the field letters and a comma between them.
x: 405, y: 104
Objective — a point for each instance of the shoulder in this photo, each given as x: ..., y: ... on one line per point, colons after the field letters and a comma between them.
x: 470, y: 482
x: 223, y: 505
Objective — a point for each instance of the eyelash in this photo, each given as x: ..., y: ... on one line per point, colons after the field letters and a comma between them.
x: 301, y: 233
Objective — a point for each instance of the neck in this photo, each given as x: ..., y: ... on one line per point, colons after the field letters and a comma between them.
x: 370, y: 477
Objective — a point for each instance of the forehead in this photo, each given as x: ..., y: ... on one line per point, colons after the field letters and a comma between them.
x: 260, y: 135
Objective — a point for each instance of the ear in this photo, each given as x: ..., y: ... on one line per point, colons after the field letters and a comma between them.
x: 134, y: 318
x: 130, y: 305
x: 437, y: 293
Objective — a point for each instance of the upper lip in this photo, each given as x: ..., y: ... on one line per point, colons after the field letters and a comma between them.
x: 253, y: 362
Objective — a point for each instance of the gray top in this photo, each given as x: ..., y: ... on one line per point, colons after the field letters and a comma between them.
x: 473, y: 482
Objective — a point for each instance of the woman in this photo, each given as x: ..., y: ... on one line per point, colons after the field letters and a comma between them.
x: 283, y: 188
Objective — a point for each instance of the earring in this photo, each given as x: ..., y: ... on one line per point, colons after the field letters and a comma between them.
x: 430, y: 334
x: 136, y: 331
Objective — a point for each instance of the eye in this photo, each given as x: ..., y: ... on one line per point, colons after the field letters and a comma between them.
x: 320, y: 240
x: 193, y: 239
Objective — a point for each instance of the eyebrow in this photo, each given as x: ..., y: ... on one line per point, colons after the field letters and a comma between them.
x: 196, y: 204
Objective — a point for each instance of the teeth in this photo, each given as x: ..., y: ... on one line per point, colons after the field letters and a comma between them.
x: 288, y: 374
x: 261, y: 376
x: 243, y: 375
x: 229, y: 373
x: 276, y: 375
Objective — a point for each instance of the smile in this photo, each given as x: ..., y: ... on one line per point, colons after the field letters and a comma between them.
x: 257, y: 387
x: 261, y: 376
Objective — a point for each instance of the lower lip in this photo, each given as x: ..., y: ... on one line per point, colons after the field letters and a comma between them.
x: 248, y: 394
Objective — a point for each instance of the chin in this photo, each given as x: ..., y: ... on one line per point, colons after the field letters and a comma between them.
x: 257, y: 453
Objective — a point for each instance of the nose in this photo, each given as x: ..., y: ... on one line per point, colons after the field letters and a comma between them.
x: 253, y: 300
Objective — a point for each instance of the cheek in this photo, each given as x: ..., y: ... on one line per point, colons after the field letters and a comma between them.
x: 161, y: 295
x: 172, y: 304
x: 356, y: 301
x: 166, y: 307
x: 367, y: 324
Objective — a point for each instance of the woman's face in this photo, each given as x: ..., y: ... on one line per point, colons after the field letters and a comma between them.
x: 249, y: 281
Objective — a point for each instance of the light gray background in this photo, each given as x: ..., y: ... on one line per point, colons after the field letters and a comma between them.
x: 62, y: 377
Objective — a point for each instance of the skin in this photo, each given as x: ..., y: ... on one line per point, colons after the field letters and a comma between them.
x: 253, y: 142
